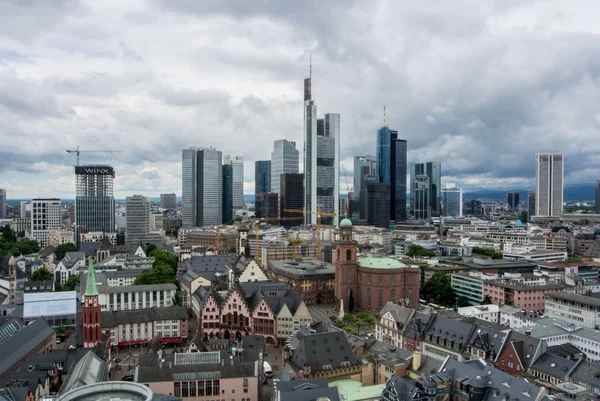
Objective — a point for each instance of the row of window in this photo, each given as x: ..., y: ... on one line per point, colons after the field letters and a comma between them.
x: 410, y: 279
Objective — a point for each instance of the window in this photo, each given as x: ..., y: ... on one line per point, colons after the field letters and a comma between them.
x: 410, y: 279
x: 393, y: 280
x: 380, y: 280
x: 348, y: 275
x: 200, y: 388
x: 369, y: 279
x: 368, y: 298
x: 177, y: 391
x: 380, y: 299
x: 348, y: 254
x: 393, y: 295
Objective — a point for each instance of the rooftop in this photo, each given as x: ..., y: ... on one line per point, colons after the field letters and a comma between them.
x: 572, y: 297
x: 303, y: 268
x: 49, y: 304
x: 23, y: 342
x: 136, y: 288
x: 109, y: 391
x: 381, y: 262
x: 353, y: 390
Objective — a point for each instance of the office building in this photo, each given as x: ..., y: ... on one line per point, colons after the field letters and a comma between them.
x: 227, y: 190
x: 363, y: 165
x: 433, y: 170
x: 25, y: 210
x: 378, y: 204
x: 45, y: 216
x: 549, y: 184
x: 201, y: 202
x: 512, y: 200
x: 285, y: 159
x: 237, y: 195
x: 597, y: 206
x: 262, y: 177
x: 168, y: 201
x: 266, y: 205
x: 452, y: 201
x: 391, y: 168
x: 94, y: 200
x: 321, y: 161
x: 363, y: 202
x: 3, y: 203
x: 530, y: 204
x: 421, y: 209
x: 291, y: 197
x: 137, y: 209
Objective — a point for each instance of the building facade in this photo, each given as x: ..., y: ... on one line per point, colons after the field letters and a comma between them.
x: 3, y: 203
x: 201, y: 178
x: 530, y: 204
x: 168, y: 201
x: 392, y: 168
x: 91, y: 312
x: 285, y: 159
x: 59, y: 237
x: 512, y: 200
x: 452, y: 201
x: 574, y: 308
x: 597, y: 204
x: 433, y: 170
x: 266, y: 205
x: 45, y: 217
x: 237, y: 183
x: 136, y: 297
x: 138, y: 219
x: 420, y: 197
x: 363, y: 165
x: 312, y: 279
x: 262, y: 176
x: 227, y: 200
x: 94, y: 199
x: 378, y: 204
x: 291, y: 197
x: 549, y: 174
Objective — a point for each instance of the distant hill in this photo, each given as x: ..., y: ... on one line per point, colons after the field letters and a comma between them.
x: 578, y: 192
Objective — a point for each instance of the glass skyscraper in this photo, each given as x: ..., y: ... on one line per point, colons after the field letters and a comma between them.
x: 138, y: 219
x: 262, y: 176
x: 227, y: 193
x: 237, y: 162
x: 433, y: 170
x: 201, y: 187
x: 392, y: 169
x: 363, y: 165
x: 420, y: 197
x: 452, y: 201
x: 549, y: 184
x: 94, y: 200
x: 285, y: 159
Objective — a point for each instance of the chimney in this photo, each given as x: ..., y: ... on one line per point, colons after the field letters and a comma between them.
x: 416, y: 361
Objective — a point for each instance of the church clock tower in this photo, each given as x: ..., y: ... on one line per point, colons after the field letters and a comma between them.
x: 346, y: 268
x: 91, y: 312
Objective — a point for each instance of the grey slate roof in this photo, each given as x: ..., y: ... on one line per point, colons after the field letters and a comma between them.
x: 31, y: 379
x: 89, y: 248
x: 115, y: 318
x: 23, y: 343
x: 9, y: 328
x: 577, y: 298
x: 320, y: 349
x: 587, y: 373
x: 554, y: 365
x: 401, y: 314
x: 307, y: 390
x: 450, y: 329
x: 45, y: 361
x: 489, y: 338
x: 14, y: 393
x: 89, y: 370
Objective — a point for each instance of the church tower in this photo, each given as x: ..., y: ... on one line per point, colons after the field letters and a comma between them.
x: 91, y: 313
x: 346, y: 268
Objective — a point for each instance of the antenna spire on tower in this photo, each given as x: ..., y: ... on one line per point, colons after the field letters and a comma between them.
x: 310, y: 66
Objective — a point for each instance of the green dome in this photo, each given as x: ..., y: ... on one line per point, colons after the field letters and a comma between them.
x: 378, y: 262
x: 346, y: 223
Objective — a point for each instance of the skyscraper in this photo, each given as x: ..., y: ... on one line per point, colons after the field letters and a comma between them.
x: 433, y: 170
x: 391, y: 168
x: 452, y: 201
x: 597, y: 205
x: 285, y: 159
x: 201, y: 179
x: 363, y: 165
x: 3, y: 203
x: 266, y: 205
x: 512, y: 200
x: 45, y: 216
x: 137, y: 208
x: 291, y: 197
x: 237, y: 163
x: 530, y: 204
x: 227, y: 201
x: 168, y: 201
x: 321, y: 161
x: 378, y: 204
x: 94, y: 200
x: 420, y: 197
x: 262, y: 177
x: 549, y: 184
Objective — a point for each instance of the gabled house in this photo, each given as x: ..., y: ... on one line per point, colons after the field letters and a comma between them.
x: 69, y: 265
x: 393, y: 319
x: 557, y: 364
x: 446, y: 337
x: 487, y: 340
x: 414, y: 331
x: 518, y: 354
x: 248, y: 271
x: 37, y: 382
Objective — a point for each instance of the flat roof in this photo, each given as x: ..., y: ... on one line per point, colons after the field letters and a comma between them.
x: 572, y: 297
x: 353, y: 390
x: 302, y: 267
x: 49, y: 304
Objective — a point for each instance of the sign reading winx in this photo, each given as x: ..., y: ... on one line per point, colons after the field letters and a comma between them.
x: 95, y: 170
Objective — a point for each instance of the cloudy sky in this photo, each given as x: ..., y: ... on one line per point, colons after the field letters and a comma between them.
x: 479, y: 85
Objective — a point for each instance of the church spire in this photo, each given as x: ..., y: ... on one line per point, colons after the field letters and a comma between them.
x: 90, y: 285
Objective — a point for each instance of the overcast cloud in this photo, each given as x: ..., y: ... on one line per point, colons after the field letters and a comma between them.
x: 479, y: 85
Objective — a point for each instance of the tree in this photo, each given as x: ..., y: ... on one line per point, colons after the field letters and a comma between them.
x: 62, y: 250
x: 418, y: 250
x: 487, y: 252
x: 72, y: 283
x: 8, y: 235
x: 487, y: 300
x: 439, y: 289
x: 41, y: 275
x: 462, y: 301
x: 150, y: 248
x: 15, y: 251
x: 524, y: 216
x: 58, y: 287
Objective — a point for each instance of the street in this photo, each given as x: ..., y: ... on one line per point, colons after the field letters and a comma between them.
x: 321, y: 312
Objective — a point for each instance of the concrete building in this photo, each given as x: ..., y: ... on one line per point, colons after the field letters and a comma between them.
x: 433, y: 170
x: 530, y: 204
x: 392, y: 169
x: 578, y: 309
x: 135, y: 297
x: 321, y: 161
x: 452, y: 201
x: 420, y: 197
x: 285, y: 159
x: 3, y: 203
x: 312, y: 279
x: 201, y: 180
x: 291, y: 197
x: 138, y: 219
x: 549, y: 174
x: 237, y: 165
x: 45, y: 216
x: 262, y: 176
x: 59, y: 237
x: 168, y: 201
x: 266, y: 205
x: 94, y: 199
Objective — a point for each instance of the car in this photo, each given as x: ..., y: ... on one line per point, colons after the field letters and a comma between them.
x: 267, y: 369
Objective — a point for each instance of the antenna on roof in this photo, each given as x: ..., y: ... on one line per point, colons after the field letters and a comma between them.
x: 310, y: 66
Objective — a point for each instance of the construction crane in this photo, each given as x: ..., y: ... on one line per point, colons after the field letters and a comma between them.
x: 78, y: 151
x: 319, y: 214
x: 350, y: 193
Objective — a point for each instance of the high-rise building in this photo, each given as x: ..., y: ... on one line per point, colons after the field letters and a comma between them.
x: 452, y: 201
x: 285, y: 159
x: 45, y: 216
x: 363, y: 211
x: 266, y: 205
x: 291, y: 197
x: 25, y: 210
x: 262, y: 177
x: 378, y: 204
x: 433, y: 170
x: 512, y: 200
x: 530, y: 204
x: 201, y: 177
x: 227, y: 199
x: 137, y: 208
x: 321, y: 161
x: 168, y: 201
x: 597, y: 205
x: 549, y: 184
x: 420, y: 197
x: 237, y: 163
x: 391, y: 168
x: 94, y: 199
x: 363, y: 165
x: 3, y: 203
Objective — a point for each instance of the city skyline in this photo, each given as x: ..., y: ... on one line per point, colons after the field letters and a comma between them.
x: 129, y: 89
